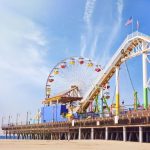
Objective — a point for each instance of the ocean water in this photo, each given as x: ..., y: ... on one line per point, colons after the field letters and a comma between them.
x: 4, y: 137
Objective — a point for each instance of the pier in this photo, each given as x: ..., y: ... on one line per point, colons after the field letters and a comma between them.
x: 131, y: 127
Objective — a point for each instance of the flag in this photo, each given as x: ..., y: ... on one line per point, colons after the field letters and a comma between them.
x: 137, y: 25
x: 129, y: 21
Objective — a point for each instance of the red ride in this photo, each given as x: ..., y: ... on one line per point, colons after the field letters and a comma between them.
x: 50, y: 80
x: 81, y: 61
x: 63, y: 65
x: 106, y: 86
x: 98, y: 69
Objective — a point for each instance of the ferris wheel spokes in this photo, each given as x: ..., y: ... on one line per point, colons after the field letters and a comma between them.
x: 76, y: 71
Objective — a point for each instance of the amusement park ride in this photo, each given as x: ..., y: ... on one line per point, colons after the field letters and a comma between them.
x: 79, y: 95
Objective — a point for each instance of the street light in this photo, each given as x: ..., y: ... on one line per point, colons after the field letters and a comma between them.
x: 18, y: 115
x: 2, y: 121
x: 9, y: 119
x: 28, y: 118
x: 38, y: 116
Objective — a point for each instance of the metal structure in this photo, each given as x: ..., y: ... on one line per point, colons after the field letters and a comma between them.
x: 134, y: 45
x: 74, y: 71
x: 71, y: 95
x: 75, y: 76
x: 133, y: 126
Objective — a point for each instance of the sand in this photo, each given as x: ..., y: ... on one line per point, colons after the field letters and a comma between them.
x: 71, y: 145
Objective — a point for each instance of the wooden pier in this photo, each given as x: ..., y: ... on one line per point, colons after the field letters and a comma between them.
x: 133, y: 126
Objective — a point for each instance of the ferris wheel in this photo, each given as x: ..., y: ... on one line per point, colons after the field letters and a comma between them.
x: 74, y: 71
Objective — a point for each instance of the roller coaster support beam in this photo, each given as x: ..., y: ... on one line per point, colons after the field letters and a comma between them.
x: 145, y: 80
x: 135, y: 100
x: 101, y: 103
x: 117, y: 92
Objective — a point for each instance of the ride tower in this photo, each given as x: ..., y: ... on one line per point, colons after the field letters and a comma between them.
x: 146, y: 81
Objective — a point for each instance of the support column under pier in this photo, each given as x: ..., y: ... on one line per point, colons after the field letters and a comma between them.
x: 68, y: 136
x: 79, y: 135
x: 106, y: 133
x: 124, y: 134
x: 92, y: 133
x: 51, y: 136
x: 140, y: 134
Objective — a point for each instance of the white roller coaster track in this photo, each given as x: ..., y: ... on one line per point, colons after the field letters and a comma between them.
x: 124, y: 50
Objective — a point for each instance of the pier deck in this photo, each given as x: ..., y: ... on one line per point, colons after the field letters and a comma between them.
x: 133, y: 126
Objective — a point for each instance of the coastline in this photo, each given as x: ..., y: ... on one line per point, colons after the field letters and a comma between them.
x: 71, y: 145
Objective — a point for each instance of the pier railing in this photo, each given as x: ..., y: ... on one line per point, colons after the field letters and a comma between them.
x: 131, y: 118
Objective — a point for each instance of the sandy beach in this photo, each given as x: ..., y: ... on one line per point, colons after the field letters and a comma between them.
x: 71, y: 145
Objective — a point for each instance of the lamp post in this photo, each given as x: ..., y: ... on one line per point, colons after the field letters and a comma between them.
x: 18, y: 115
x: 38, y: 116
x: 27, y: 118
x: 9, y: 119
x: 2, y: 121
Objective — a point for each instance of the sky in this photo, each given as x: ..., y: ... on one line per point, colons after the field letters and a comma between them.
x: 35, y: 35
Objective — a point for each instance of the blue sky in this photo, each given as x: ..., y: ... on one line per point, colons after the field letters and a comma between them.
x: 36, y: 34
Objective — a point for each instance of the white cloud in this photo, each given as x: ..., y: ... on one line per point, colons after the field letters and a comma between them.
x: 85, y: 37
x: 115, y: 30
x: 94, y: 43
x: 23, y: 71
x: 91, y: 36
x: 117, y: 24
x: 83, y: 44
x: 89, y: 8
x: 36, y: 37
